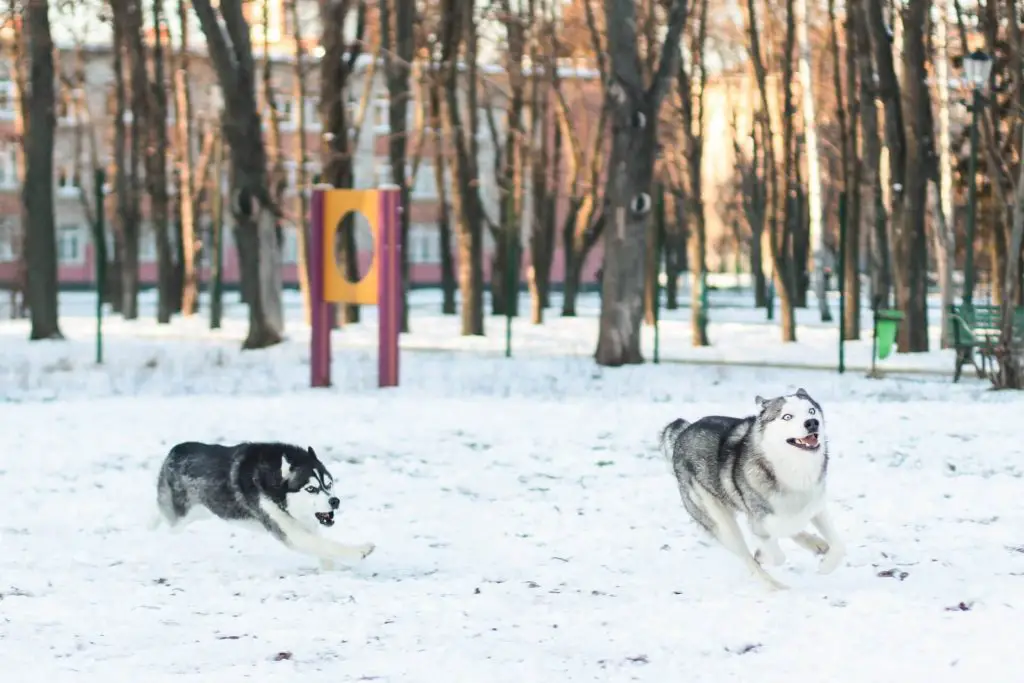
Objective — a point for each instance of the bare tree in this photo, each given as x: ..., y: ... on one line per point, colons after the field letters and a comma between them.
x: 336, y: 67
x: 19, y: 64
x: 127, y: 155
x: 397, y: 19
x: 227, y: 37
x: 692, y: 83
x: 187, y: 199
x: 945, y: 242
x: 634, y: 109
x: 813, y: 160
x: 584, y: 222
x: 848, y: 105
x: 149, y: 104
x: 458, y: 31
x: 752, y: 191
x: 909, y: 134
x: 779, y: 226
x: 301, y: 175
x: 37, y: 191
x: 434, y: 104
x: 1010, y: 349
x: 875, y: 213
x: 546, y: 141
x: 509, y: 162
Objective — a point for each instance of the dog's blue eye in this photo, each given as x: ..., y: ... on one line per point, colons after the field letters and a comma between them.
x: 311, y: 489
x: 811, y: 411
x: 787, y: 416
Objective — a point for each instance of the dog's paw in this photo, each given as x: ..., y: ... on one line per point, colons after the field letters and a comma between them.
x: 831, y: 560
x: 812, y: 543
x: 366, y: 549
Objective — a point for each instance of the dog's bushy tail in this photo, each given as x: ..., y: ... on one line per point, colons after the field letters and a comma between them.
x: 669, y: 435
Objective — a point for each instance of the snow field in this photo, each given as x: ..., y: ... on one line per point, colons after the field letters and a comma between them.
x: 527, y: 528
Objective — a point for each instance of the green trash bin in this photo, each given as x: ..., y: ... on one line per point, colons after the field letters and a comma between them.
x: 887, y: 324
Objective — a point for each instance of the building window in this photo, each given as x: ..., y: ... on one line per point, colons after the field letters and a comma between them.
x: 290, y: 245
x: 147, y: 244
x: 311, y: 111
x: 8, y: 234
x: 71, y: 107
x: 68, y: 183
x: 424, y: 185
x: 424, y: 246
x: 70, y: 244
x: 381, y: 124
x: 382, y: 172
x: 8, y: 165
x: 8, y: 100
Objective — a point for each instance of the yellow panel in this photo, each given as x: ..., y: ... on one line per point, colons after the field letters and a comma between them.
x: 337, y: 203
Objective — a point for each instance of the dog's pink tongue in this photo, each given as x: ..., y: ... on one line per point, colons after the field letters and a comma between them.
x: 811, y: 440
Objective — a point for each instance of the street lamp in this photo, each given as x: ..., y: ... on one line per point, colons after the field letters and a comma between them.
x: 977, y: 69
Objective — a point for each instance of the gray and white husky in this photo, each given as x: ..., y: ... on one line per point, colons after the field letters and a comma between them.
x: 282, y: 488
x: 771, y: 467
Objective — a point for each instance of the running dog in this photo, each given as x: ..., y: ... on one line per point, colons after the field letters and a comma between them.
x: 771, y: 467
x: 282, y: 488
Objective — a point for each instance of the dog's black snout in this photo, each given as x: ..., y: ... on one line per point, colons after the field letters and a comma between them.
x: 333, y: 502
x: 811, y: 425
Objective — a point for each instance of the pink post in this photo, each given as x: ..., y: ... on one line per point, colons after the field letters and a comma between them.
x: 320, y: 319
x: 389, y: 283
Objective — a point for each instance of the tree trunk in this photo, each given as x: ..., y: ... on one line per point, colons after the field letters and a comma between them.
x: 509, y: 168
x: 302, y: 226
x: 911, y: 237
x: 778, y: 227
x: 444, y: 219
x: 675, y: 251
x: 459, y: 25
x: 336, y: 67
x: 751, y: 191
x: 217, y: 234
x: 889, y: 91
x: 37, y: 193
x: 791, y: 262
x: 813, y: 171
x: 149, y: 108
x: 187, y: 192
x: 875, y: 212
x: 19, y: 288
x: 852, y: 166
x: 652, y: 262
x: 692, y: 82
x: 546, y: 163
x: 634, y: 114
x: 126, y: 155
x: 945, y: 245
x: 398, y: 62
x: 251, y: 202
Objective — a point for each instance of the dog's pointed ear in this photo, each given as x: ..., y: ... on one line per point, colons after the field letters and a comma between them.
x: 761, y: 402
x: 312, y: 453
x: 802, y: 393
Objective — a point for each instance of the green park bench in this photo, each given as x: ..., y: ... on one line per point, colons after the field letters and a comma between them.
x: 975, y: 330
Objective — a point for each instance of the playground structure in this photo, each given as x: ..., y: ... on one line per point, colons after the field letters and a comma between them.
x: 381, y: 285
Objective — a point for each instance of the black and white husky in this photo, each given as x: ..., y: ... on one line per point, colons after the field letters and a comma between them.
x: 284, y: 489
x: 771, y: 467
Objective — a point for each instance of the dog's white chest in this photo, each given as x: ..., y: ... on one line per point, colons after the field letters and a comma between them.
x: 792, y: 512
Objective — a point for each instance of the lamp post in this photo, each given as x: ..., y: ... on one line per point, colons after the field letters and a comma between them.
x: 977, y: 69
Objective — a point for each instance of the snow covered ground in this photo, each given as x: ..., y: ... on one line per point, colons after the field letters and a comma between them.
x: 527, y: 529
